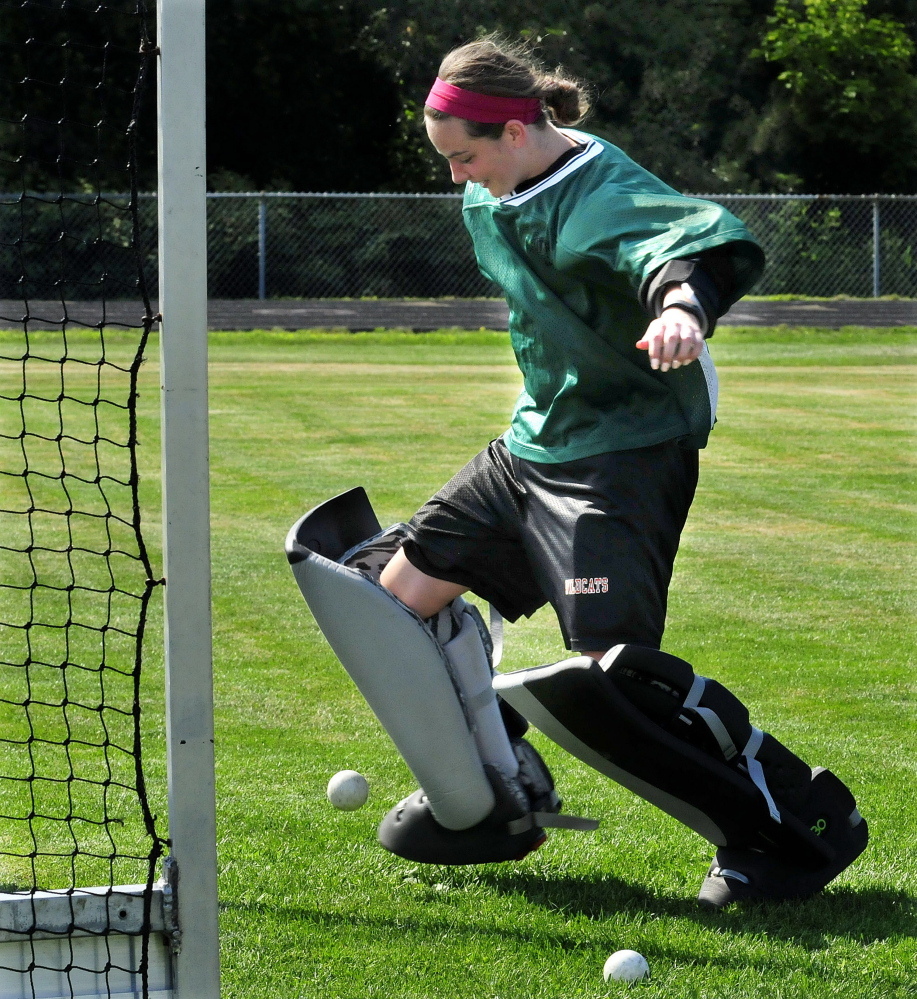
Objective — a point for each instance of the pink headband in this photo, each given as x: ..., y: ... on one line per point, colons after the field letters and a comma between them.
x: 481, y: 107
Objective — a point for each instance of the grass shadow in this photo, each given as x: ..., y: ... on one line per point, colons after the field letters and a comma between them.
x: 423, y: 923
x: 864, y: 915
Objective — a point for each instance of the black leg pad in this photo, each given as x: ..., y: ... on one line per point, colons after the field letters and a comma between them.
x: 682, y: 742
x: 743, y: 875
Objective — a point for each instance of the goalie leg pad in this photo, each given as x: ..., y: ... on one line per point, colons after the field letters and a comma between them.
x: 746, y: 875
x: 485, y: 792
x: 466, y: 644
x: 682, y: 742
x: 393, y: 658
x: 525, y: 806
x: 411, y: 831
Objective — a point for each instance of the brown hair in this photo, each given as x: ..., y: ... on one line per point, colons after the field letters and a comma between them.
x: 506, y: 69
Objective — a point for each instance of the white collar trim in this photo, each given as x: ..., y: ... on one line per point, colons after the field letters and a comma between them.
x: 590, y: 152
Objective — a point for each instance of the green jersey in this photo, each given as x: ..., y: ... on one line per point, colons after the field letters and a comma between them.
x: 570, y: 254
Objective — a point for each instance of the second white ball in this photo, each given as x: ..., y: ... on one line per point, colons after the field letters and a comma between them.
x: 626, y: 966
x: 348, y: 790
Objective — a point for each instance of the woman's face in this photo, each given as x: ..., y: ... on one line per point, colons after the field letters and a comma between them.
x: 497, y: 164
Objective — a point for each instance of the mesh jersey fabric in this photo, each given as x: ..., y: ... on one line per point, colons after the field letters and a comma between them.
x: 570, y: 254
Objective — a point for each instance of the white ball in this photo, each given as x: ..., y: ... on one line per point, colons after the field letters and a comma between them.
x: 348, y: 790
x: 626, y: 966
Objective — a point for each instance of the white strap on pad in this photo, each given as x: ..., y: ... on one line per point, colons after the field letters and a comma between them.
x: 472, y: 673
x: 495, y: 624
x: 756, y: 771
x: 728, y: 748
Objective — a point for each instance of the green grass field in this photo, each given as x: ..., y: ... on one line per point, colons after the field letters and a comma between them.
x: 794, y: 586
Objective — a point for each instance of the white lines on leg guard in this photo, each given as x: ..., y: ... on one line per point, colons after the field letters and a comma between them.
x: 710, y: 718
x: 728, y: 748
x: 471, y: 670
x: 496, y: 635
x: 696, y: 692
x: 756, y: 771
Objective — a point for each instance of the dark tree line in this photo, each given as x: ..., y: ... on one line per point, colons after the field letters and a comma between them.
x: 714, y: 96
x: 77, y: 96
x: 725, y: 95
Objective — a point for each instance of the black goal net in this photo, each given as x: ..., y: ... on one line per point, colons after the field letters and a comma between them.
x: 76, y: 580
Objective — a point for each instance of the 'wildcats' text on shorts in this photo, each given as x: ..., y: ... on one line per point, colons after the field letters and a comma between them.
x: 594, y: 584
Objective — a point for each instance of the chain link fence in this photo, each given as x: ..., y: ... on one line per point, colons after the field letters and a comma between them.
x: 279, y: 245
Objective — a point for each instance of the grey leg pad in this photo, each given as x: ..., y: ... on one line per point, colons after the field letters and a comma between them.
x: 404, y: 676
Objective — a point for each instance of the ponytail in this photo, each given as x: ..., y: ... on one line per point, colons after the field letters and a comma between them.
x: 505, y: 69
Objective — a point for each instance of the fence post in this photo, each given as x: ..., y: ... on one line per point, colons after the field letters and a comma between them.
x: 262, y: 247
x: 876, y: 252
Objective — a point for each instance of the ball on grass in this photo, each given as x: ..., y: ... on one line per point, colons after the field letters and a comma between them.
x: 348, y: 790
x: 626, y: 966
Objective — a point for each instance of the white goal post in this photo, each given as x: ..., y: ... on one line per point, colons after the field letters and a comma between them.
x: 171, y: 931
x: 186, y: 494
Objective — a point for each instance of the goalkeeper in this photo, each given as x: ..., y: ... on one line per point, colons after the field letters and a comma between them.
x: 614, y: 282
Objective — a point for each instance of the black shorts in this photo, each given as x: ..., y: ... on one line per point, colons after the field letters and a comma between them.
x: 596, y: 538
